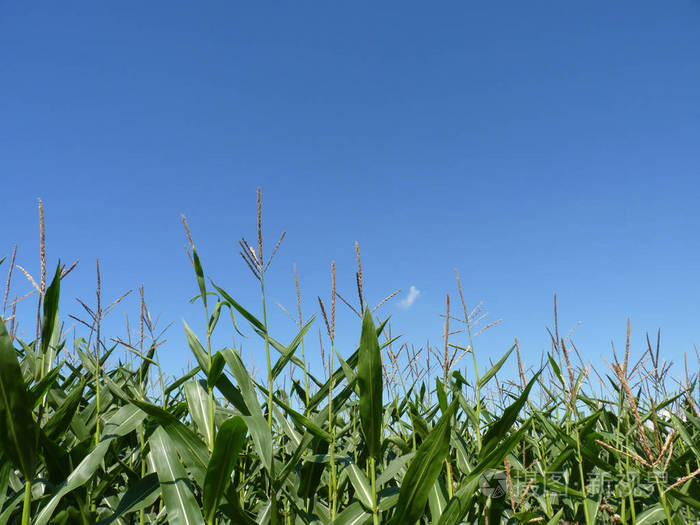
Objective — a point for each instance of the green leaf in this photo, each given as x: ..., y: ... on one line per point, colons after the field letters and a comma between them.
x: 147, y: 361
x: 250, y: 317
x: 124, y: 421
x: 370, y: 381
x: 182, y: 380
x: 437, y: 500
x: 61, y: 419
x: 5, y: 471
x: 257, y: 424
x: 311, y: 472
x: 245, y: 383
x: 180, y: 503
x: 303, y: 421
x: 288, y: 353
x: 140, y: 495
x: 39, y: 390
x: 556, y: 369
x: 392, y: 470
x: 19, y: 433
x: 353, y: 514
x: 441, y: 395
x: 423, y: 471
x: 200, y: 276
x: 230, y: 439
x: 460, y: 503
x: 10, y: 507
x: 198, y: 403
x: 691, y: 501
x: 495, y: 368
x: 217, y: 367
x: 651, y: 515
x: 499, y: 429
x: 49, y: 323
x: 361, y: 484
x: 198, y: 350
x: 214, y: 317
x: 556, y: 519
x: 193, y: 451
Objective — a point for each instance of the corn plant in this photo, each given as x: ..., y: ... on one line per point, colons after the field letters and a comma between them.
x: 84, y: 440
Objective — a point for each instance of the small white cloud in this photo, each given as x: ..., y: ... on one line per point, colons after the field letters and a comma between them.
x: 410, y: 298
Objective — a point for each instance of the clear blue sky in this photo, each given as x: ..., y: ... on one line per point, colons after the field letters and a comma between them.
x: 538, y: 147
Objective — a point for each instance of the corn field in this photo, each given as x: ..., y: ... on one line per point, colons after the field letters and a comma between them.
x: 380, y: 439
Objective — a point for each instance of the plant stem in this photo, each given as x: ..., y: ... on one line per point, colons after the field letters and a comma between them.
x: 267, y: 350
x: 209, y: 387
x: 332, y: 492
x: 375, y: 510
x: 27, y: 506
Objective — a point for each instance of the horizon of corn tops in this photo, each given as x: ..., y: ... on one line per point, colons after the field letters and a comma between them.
x: 385, y: 437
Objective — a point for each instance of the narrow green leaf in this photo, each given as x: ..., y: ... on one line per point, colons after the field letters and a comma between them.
x: 393, y: 469
x: 257, y: 424
x: 245, y: 313
x: 198, y: 403
x: 495, y: 368
x: 353, y: 514
x: 437, y: 500
x: 370, y: 381
x: 39, y: 390
x: 180, y: 503
x: 288, y: 353
x: 651, y: 515
x: 230, y: 439
x: 49, y: 322
x: 245, y: 383
x: 460, y: 503
x: 193, y: 451
x: 556, y: 519
x: 424, y: 470
x: 5, y: 471
x: 303, y: 421
x: 361, y: 484
x: 217, y: 367
x: 124, y: 421
x: 441, y: 395
x: 214, y: 318
x: 61, y: 419
x: 140, y: 495
x: 500, y: 428
x: 200, y: 354
x: 147, y: 361
x: 557, y: 370
x: 200, y: 276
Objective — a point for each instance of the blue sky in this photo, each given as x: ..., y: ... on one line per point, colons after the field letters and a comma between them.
x: 538, y: 147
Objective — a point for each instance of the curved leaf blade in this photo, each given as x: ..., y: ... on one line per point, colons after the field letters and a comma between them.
x: 229, y: 441
x: 180, y: 503
x: 424, y: 471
